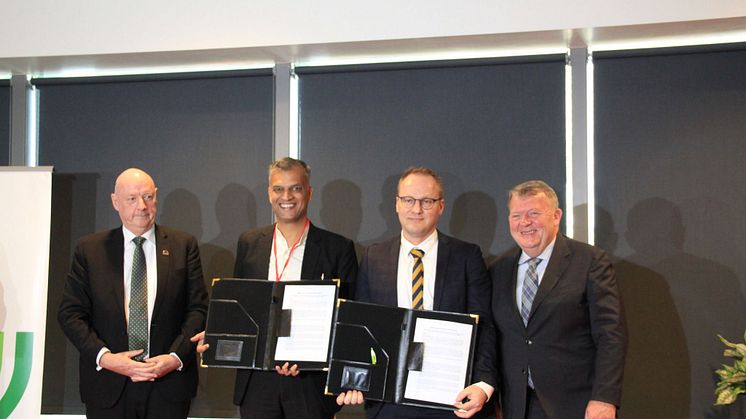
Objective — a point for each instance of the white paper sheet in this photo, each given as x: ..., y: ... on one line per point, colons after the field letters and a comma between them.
x: 445, y: 361
x: 310, y: 325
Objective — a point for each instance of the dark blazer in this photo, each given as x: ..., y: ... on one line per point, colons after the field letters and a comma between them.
x: 92, y: 311
x: 576, y: 338
x: 461, y: 286
x: 326, y: 254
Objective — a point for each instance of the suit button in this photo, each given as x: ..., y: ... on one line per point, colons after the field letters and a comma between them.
x: 528, y: 341
x: 523, y: 372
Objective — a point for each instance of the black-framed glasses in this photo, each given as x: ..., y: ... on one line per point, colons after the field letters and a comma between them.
x: 425, y: 203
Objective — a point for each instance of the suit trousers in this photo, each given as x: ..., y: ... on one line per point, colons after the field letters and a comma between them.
x: 392, y: 411
x: 273, y: 396
x: 533, y: 405
x: 141, y: 401
x: 380, y: 410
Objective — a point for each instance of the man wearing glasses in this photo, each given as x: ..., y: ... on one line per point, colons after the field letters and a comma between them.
x: 424, y: 269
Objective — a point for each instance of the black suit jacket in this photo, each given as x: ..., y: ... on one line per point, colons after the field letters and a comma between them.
x: 461, y: 286
x: 575, y: 341
x: 92, y: 311
x: 326, y: 255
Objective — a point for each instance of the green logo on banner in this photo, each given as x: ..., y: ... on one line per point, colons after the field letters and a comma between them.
x: 21, y: 371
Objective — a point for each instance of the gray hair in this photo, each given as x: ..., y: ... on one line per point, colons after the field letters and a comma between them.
x: 532, y: 188
x: 289, y: 163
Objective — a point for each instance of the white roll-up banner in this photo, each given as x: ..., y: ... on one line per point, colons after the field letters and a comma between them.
x: 25, y: 217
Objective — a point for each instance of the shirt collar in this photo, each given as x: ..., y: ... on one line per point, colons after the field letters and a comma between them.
x: 425, y: 245
x: 301, y: 241
x: 148, y: 235
x: 543, y: 256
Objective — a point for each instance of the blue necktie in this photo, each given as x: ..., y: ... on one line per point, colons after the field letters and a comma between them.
x: 530, y: 286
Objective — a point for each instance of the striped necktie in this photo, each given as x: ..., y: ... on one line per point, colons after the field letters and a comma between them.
x: 530, y: 286
x: 418, y: 279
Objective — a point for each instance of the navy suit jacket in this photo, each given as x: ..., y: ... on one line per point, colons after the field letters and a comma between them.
x: 461, y: 286
x: 327, y: 255
x: 575, y: 340
x: 92, y: 311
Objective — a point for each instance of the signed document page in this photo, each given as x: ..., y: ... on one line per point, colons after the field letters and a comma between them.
x: 445, y: 361
x: 310, y: 325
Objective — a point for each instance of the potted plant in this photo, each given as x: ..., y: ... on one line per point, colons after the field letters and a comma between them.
x: 732, y: 378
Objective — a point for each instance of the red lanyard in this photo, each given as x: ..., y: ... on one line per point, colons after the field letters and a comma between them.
x: 278, y: 275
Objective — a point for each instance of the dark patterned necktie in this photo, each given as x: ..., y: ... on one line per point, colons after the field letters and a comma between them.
x: 418, y: 279
x: 137, y: 328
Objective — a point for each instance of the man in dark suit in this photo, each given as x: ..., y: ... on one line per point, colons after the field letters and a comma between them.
x: 454, y: 279
x: 291, y: 249
x: 559, y: 319
x: 133, y: 297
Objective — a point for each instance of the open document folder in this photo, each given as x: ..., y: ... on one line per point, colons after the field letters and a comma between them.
x: 397, y: 355
x: 257, y: 324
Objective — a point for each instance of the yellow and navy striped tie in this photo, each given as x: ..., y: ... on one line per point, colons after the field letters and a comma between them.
x: 418, y: 279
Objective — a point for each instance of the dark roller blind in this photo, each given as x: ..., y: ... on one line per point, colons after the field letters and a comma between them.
x: 670, y: 137
x: 205, y: 138
x: 4, y: 122
x: 483, y: 125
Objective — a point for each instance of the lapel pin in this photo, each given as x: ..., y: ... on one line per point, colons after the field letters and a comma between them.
x: 165, y: 252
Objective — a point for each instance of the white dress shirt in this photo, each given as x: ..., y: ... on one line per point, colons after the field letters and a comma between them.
x: 293, y: 269
x: 149, y: 248
x: 523, y: 268
x: 404, y: 271
x: 430, y: 264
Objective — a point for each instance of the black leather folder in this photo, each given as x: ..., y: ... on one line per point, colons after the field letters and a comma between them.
x: 373, y: 350
x: 245, y: 319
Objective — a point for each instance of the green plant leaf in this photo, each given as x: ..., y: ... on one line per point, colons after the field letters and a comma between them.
x: 741, y: 348
x: 732, y: 381
x: 726, y: 342
x: 731, y: 353
x: 726, y: 396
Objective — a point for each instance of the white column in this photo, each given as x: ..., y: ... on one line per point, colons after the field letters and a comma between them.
x: 286, y: 112
x: 581, y: 150
x: 22, y: 122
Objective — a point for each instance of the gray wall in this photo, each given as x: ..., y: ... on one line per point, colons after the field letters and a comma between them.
x: 670, y: 151
x: 483, y: 125
x: 206, y: 142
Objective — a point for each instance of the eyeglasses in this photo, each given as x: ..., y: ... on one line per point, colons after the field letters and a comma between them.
x: 425, y: 203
